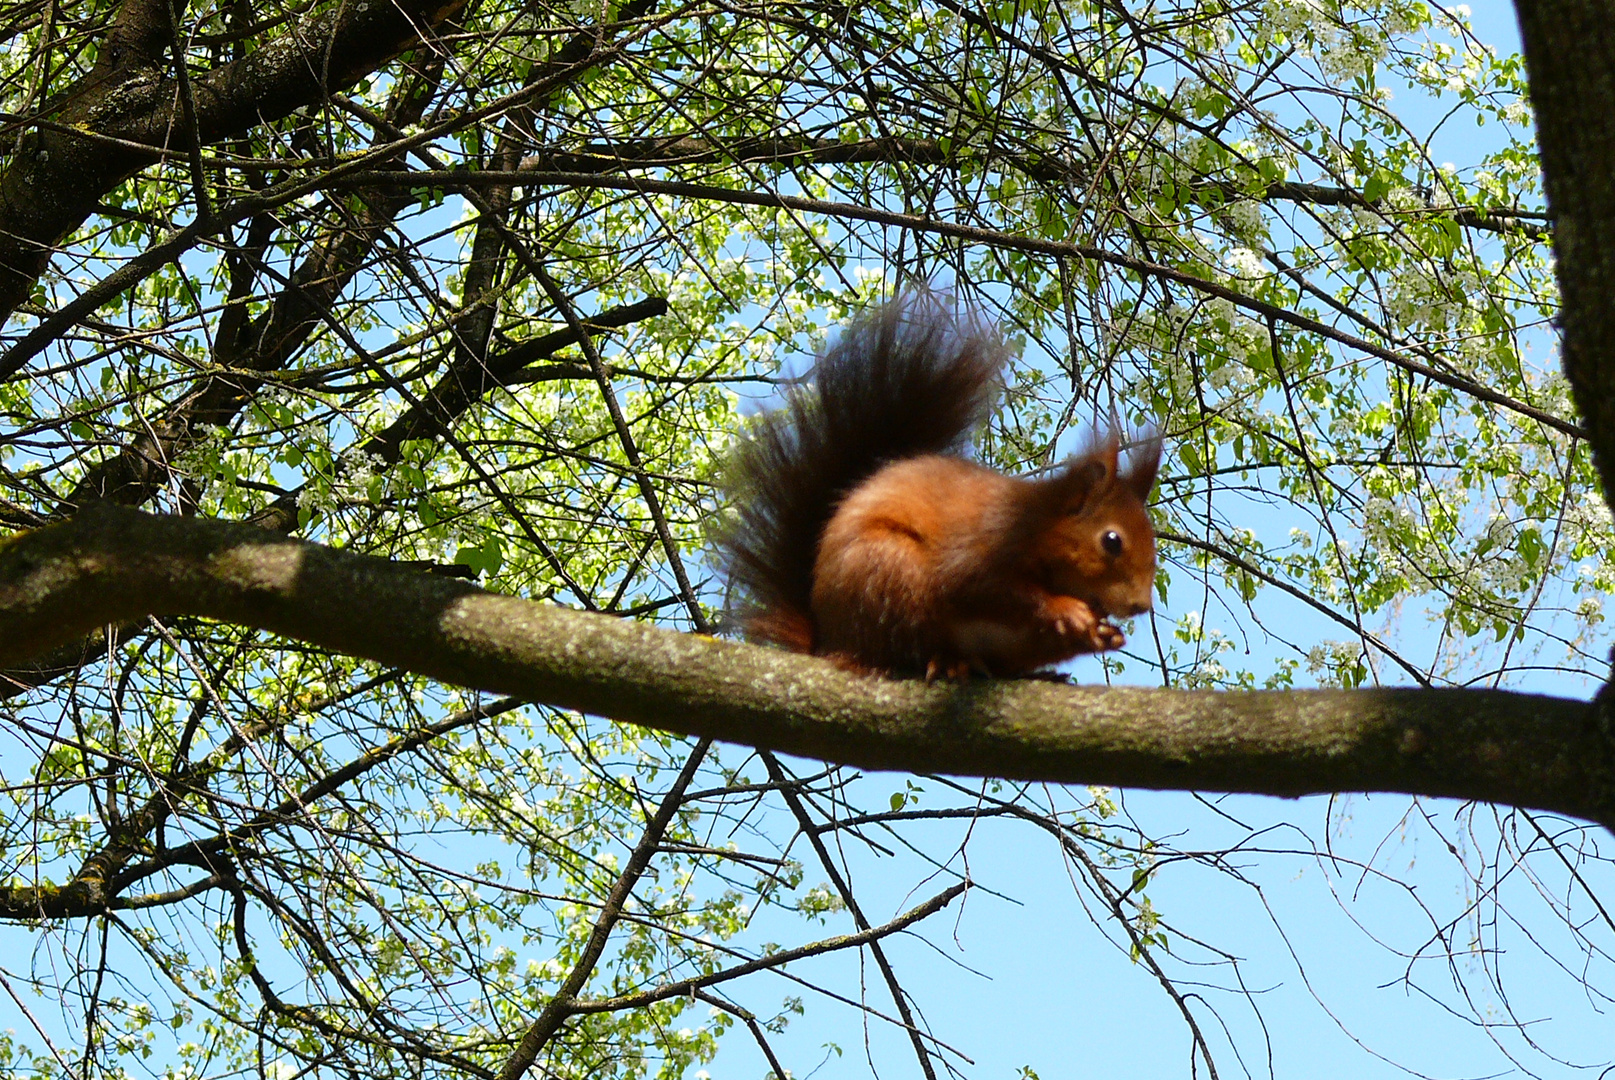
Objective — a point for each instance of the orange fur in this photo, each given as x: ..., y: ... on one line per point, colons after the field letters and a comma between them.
x: 941, y: 565
x: 862, y: 539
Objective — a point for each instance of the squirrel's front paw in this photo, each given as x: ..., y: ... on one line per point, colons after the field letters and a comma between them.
x: 1069, y: 617
x: 1076, y: 624
x: 1107, y: 637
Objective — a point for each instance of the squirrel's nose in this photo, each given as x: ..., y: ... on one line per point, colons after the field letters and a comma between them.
x: 1131, y: 601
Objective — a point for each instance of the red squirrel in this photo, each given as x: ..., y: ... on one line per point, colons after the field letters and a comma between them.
x: 860, y: 535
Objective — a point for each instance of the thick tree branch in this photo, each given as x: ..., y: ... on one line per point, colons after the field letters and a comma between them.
x: 1570, y: 55
x: 450, y: 398
x: 111, y: 564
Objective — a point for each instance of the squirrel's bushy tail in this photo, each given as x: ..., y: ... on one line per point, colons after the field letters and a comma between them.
x: 907, y: 379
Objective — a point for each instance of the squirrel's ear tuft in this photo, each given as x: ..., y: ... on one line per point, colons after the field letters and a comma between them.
x: 1144, y: 461
x: 1081, y: 477
x: 1106, y: 452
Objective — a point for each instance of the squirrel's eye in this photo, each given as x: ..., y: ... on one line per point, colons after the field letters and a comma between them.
x: 1112, y: 543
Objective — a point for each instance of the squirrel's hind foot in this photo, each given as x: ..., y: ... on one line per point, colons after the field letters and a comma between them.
x: 950, y: 670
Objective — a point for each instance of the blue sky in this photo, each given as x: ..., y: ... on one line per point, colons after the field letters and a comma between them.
x: 1343, y: 960
x: 1028, y: 972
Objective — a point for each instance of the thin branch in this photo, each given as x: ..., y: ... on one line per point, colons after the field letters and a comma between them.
x: 182, y: 240
x: 976, y: 234
x: 673, y: 151
x: 564, y: 1002
x: 1311, y: 601
x: 804, y: 821
x: 687, y: 987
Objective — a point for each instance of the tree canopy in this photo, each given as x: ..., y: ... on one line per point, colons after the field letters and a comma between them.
x: 366, y: 358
